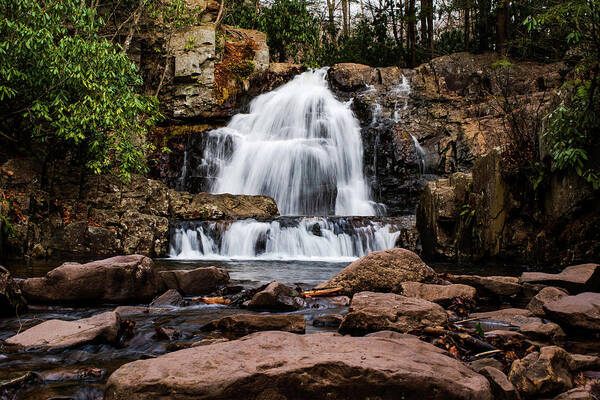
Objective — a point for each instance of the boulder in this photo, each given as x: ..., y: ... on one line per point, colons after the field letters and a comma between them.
x: 539, y: 330
x: 441, y: 294
x: 244, y: 324
x: 578, y: 312
x: 490, y: 285
x: 576, y: 279
x: 328, y: 321
x: 502, y: 388
x: 381, y: 271
x: 546, y: 295
x: 196, y: 281
x: 12, y: 301
x: 169, y: 298
x: 350, y: 76
x: 543, y: 373
x: 115, y: 280
x: 578, y: 393
x: 59, y: 334
x: 279, y: 365
x: 277, y: 297
x: 583, y: 362
x: 372, y: 312
x: 481, y: 363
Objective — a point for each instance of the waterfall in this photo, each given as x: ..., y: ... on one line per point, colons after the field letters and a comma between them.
x: 420, y: 153
x: 322, y: 238
x: 299, y: 145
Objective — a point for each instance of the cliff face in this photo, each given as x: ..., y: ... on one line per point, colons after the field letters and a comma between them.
x: 59, y: 211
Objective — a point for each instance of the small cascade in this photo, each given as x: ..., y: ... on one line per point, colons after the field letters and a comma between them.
x: 290, y: 238
x: 181, y: 182
x: 421, y: 153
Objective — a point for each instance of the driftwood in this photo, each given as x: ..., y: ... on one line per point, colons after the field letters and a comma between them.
x: 464, y: 338
x: 212, y: 300
x: 322, y: 292
x: 20, y: 381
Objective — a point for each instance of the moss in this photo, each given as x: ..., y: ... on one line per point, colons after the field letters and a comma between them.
x: 242, y: 69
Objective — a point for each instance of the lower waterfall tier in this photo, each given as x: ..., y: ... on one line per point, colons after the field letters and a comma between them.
x: 298, y: 238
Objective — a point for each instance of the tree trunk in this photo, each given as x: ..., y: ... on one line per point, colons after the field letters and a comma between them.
x: 467, y: 28
x: 502, y: 27
x: 331, y: 14
x: 345, y: 17
x: 423, y: 18
x: 430, y: 25
x: 412, y: 22
x: 483, y: 25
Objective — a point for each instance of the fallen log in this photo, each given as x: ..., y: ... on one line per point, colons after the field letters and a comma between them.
x: 322, y: 292
x: 213, y: 300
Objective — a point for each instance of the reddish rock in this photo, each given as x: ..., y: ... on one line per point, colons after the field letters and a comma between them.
x: 490, y: 285
x: 502, y: 388
x: 244, y: 324
x: 277, y: 297
x: 279, y: 365
x: 576, y: 279
x: 440, y: 294
x: 546, y: 295
x: 381, y: 271
x: 170, y: 298
x: 372, y: 312
x: 197, y: 281
x: 577, y: 312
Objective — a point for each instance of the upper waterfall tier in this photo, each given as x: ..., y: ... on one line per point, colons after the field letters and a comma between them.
x: 299, y: 145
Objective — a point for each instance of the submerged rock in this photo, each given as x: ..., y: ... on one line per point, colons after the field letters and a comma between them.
x: 12, y: 301
x: 279, y: 365
x: 277, y: 297
x: 381, y: 271
x: 117, y: 280
x: 576, y: 279
x: 244, y: 324
x: 441, y: 294
x: 58, y: 334
x: 577, y: 312
x: 197, y: 281
x: 372, y: 312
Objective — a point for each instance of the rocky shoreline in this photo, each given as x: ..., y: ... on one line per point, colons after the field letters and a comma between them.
x: 407, y: 331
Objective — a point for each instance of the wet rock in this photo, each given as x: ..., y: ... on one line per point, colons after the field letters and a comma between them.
x: 577, y: 312
x: 170, y: 298
x: 575, y: 279
x: 502, y: 388
x: 504, y: 338
x: 59, y: 334
x: 583, y: 362
x: 277, y: 297
x: 440, y: 294
x: 481, y: 363
x: 539, y: 330
x: 279, y: 365
x: 371, y: 312
x: 328, y: 321
x: 117, y: 280
x: 196, y: 281
x: 490, y: 285
x: 543, y: 373
x: 546, y: 295
x: 381, y: 271
x: 350, y: 76
x: 244, y: 324
x: 166, y: 333
x: 206, y: 342
x: 207, y: 206
x: 339, y: 300
x: 12, y: 301
x: 511, y: 316
x: 578, y: 393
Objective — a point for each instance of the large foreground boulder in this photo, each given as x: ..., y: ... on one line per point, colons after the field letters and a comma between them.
x: 59, y: 334
x: 381, y: 271
x: 11, y: 299
x: 114, y: 280
x: 279, y: 365
x: 576, y: 279
x: 578, y: 312
x: 372, y: 312
x: 244, y: 324
x: 197, y: 281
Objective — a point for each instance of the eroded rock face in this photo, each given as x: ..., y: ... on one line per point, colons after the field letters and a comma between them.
x: 59, y: 334
x: 244, y: 324
x: 575, y: 279
x: 115, y: 280
x: 196, y: 281
x: 278, y: 365
x: 12, y: 301
x: 440, y: 294
x: 277, y: 297
x: 372, y: 312
x: 381, y: 271
x: 577, y: 312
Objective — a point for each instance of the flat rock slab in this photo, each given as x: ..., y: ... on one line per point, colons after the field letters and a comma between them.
x: 546, y: 295
x: 116, y: 280
x: 372, y: 312
x: 197, y: 281
x: 381, y: 271
x: 58, y: 334
x: 511, y: 316
x: 575, y: 279
x: 280, y: 365
x: 244, y: 324
x: 490, y: 285
x: 578, y: 312
x: 440, y: 294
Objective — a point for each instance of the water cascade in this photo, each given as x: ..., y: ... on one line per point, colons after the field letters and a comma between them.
x: 301, y: 146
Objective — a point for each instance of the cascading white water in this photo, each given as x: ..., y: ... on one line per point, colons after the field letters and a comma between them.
x: 312, y: 238
x: 299, y: 145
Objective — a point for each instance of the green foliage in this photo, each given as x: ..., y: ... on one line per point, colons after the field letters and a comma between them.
x: 242, y: 69
x: 573, y: 133
x: 479, y: 330
x: 64, y: 87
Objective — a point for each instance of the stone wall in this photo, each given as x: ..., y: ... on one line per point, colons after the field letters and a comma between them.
x: 60, y: 211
